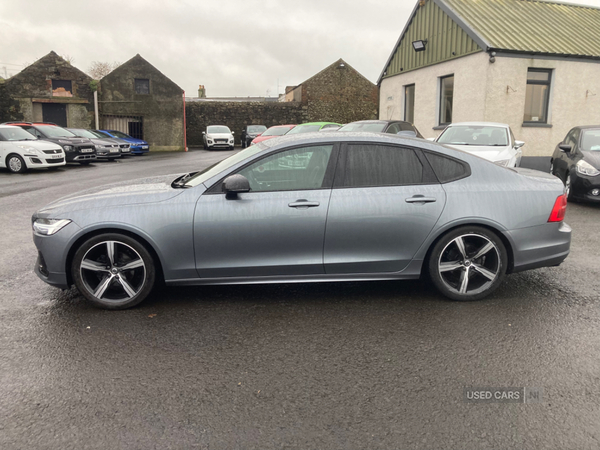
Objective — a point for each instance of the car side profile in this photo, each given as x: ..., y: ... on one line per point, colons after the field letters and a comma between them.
x: 20, y: 151
x: 273, y: 132
x: 251, y: 132
x: 136, y: 146
x: 308, y: 208
x: 576, y: 161
x: 76, y: 150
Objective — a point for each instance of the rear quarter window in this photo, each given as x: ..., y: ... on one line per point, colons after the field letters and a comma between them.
x: 447, y: 169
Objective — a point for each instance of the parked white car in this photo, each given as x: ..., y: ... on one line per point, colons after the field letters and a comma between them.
x: 492, y: 141
x: 218, y: 136
x: 20, y: 150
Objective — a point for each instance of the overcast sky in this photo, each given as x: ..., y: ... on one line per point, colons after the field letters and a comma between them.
x: 233, y: 47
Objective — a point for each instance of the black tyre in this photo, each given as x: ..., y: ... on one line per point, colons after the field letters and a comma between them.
x: 15, y: 163
x: 113, y: 271
x: 468, y: 263
x: 569, y: 188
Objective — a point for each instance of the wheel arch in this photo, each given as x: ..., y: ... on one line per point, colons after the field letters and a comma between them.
x: 491, y: 226
x: 13, y: 153
x: 113, y: 229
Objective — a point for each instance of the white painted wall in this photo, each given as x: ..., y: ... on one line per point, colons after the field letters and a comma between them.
x: 496, y: 93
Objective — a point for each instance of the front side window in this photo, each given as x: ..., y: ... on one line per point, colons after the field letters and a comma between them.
x: 290, y: 170
x: 409, y: 103
x: 369, y: 165
x: 142, y: 86
x: 446, y: 99
x: 537, y: 96
x: 590, y: 141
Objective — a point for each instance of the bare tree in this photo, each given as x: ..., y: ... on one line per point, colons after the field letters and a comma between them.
x: 100, y: 69
x: 68, y: 59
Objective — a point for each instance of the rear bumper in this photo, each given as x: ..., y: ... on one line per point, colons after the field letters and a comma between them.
x: 542, y: 246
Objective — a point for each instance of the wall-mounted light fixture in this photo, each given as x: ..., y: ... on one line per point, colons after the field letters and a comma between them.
x: 419, y: 46
x: 342, y: 66
x: 493, y: 57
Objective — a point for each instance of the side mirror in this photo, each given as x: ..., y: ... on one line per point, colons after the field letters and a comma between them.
x: 233, y: 132
x: 204, y: 132
x: 235, y: 184
x: 407, y: 133
x: 565, y: 148
x: 519, y: 144
x: 431, y: 139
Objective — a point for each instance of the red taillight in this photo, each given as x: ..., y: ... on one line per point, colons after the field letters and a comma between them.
x: 559, y: 209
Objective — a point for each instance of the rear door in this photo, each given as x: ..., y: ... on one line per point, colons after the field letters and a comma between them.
x: 385, y: 202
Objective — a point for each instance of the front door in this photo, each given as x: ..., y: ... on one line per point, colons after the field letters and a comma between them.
x: 55, y: 113
x: 275, y: 229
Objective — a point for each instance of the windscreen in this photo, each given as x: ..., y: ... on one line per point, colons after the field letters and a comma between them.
x: 53, y: 131
x: 16, y: 134
x: 218, y: 129
x: 277, y: 131
x: 474, y: 135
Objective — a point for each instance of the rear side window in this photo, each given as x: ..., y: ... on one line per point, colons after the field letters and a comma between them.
x: 381, y: 165
x: 448, y: 169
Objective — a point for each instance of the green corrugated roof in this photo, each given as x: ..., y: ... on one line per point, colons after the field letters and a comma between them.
x: 531, y: 26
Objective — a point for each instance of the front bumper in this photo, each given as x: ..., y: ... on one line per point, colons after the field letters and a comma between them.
x: 139, y: 149
x: 582, y: 187
x: 43, y: 162
x: 51, y: 263
x: 541, y: 246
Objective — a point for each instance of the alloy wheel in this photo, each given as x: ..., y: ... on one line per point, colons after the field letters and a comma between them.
x: 469, y: 264
x: 113, y: 271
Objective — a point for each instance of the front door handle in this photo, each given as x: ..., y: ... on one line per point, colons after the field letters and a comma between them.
x: 303, y: 204
x: 420, y: 199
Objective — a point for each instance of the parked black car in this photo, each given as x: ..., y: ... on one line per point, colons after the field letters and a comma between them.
x: 250, y: 132
x: 80, y: 150
x: 105, y: 148
x: 383, y: 126
x: 576, y: 161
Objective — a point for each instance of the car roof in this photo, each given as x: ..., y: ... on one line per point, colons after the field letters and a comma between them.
x: 30, y: 123
x: 380, y: 121
x: 587, y: 127
x: 318, y: 123
x: 480, y: 124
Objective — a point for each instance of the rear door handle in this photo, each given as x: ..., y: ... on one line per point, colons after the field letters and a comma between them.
x: 303, y: 204
x: 420, y: 199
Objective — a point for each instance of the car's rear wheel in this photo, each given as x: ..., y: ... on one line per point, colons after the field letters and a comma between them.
x: 468, y: 263
x: 15, y: 163
x: 113, y: 271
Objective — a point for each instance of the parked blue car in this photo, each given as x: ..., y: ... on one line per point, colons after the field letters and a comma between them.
x: 138, y: 146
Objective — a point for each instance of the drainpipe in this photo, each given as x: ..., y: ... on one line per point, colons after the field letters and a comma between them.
x: 184, y: 125
x: 96, y: 109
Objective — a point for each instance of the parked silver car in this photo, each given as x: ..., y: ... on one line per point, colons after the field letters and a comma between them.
x: 352, y: 206
x: 492, y: 141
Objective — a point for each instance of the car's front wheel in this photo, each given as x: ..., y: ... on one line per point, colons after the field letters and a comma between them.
x: 468, y: 263
x: 113, y: 271
x: 15, y: 163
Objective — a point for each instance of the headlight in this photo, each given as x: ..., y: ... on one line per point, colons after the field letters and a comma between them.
x: 47, y: 227
x: 585, y: 168
x: 29, y: 149
x: 503, y: 162
x: 68, y: 148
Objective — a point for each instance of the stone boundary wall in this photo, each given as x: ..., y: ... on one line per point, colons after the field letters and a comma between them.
x: 236, y: 115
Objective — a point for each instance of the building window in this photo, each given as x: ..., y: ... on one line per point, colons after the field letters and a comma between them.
x: 409, y: 103
x: 446, y: 99
x: 537, y: 95
x: 62, y: 88
x: 142, y: 86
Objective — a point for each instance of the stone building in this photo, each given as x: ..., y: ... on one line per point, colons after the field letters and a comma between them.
x: 531, y: 64
x: 52, y: 90
x: 338, y: 93
x: 139, y: 100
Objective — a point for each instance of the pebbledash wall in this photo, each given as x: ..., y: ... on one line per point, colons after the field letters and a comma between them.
x: 495, y: 92
x: 236, y: 115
